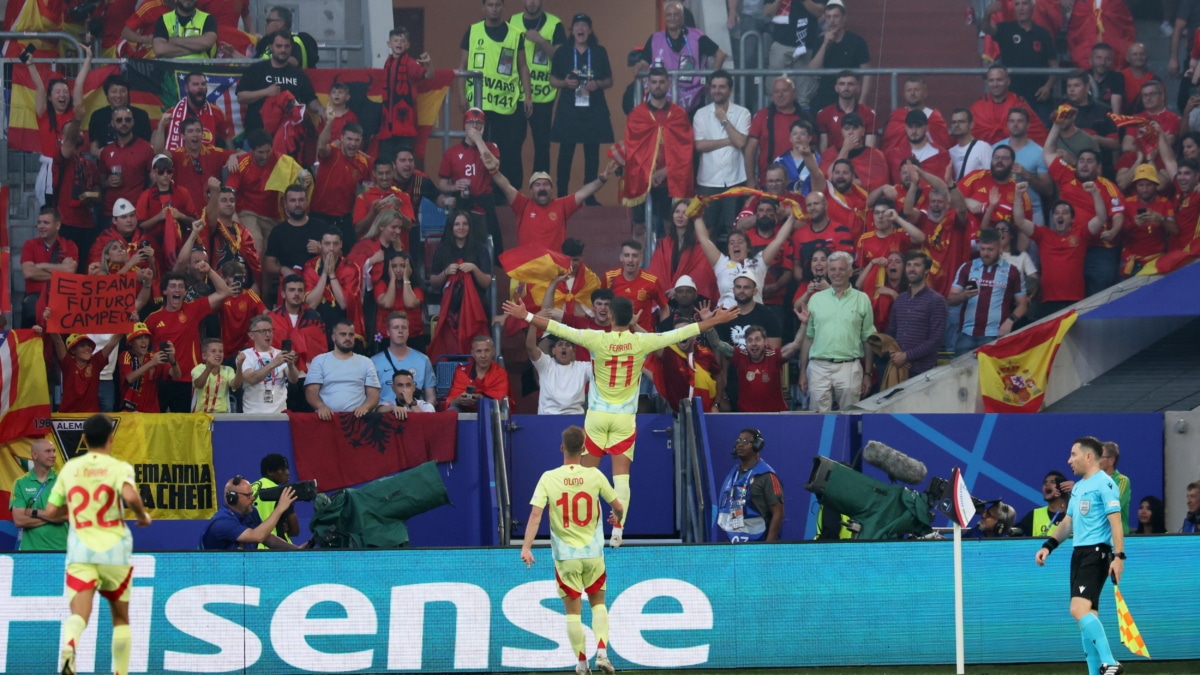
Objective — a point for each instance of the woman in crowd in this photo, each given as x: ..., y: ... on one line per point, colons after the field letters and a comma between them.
x: 397, y: 291
x: 680, y: 254
x: 463, y: 275
x: 1151, y: 517
x: 55, y: 105
x: 812, y: 278
x: 741, y: 258
x: 583, y: 74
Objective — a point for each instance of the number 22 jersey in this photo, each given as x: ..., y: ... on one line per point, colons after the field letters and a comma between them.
x: 90, y: 488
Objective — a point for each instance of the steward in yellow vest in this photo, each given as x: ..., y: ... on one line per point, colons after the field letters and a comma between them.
x: 185, y: 33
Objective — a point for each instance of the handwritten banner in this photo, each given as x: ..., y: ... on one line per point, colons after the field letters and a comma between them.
x: 81, y: 303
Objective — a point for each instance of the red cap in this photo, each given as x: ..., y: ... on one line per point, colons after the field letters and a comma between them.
x: 474, y: 115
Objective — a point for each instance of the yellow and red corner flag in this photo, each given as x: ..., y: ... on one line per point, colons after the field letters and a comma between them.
x: 1131, y: 637
x: 1013, y: 371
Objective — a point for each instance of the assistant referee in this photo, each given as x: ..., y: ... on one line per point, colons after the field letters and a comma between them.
x: 1094, y: 513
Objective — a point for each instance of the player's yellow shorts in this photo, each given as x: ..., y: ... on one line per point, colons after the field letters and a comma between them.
x: 114, y: 581
x: 576, y: 577
x: 608, y: 433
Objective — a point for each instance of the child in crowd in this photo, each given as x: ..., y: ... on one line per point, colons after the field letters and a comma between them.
x: 211, y: 381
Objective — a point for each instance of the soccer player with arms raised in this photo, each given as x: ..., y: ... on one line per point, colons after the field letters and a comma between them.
x: 573, y: 493
x: 99, y: 545
x: 617, y: 358
x: 1094, y: 517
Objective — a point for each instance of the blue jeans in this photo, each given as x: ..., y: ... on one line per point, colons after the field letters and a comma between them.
x: 968, y: 343
x: 1100, y: 269
x: 108, y: 395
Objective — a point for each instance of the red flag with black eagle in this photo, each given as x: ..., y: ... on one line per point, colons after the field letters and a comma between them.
x: 461, y: 319
x: 351, y: 450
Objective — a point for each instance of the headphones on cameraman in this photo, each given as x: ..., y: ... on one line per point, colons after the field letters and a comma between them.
x: 757, y: 441
x: 231, y: 497
x: 1005, y: 515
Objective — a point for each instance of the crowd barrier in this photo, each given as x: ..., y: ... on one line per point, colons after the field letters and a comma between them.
x: 705, y: 606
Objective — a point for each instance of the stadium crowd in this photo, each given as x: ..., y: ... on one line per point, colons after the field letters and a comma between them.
x: 858, y: 245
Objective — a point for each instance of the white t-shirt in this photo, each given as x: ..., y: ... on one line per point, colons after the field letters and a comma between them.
x: 1022, y: 262
x: 270, y: 395
x: 101, y: 339
x: 981, y: 158
x: 726, y: 271
x: 563, y: 389
x: 723, y: 167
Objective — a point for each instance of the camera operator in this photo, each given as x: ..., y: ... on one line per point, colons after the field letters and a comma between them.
x: 275, y: 472
x: 995, y: 522
x: 238, y: 524
x: 751, y: 501
x: 1056, y: 490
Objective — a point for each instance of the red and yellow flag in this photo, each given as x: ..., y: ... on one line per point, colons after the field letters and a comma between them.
x: 1014, y: 370
x: 23, y: 124
x: 24, y: 394
x: 1131, y: 637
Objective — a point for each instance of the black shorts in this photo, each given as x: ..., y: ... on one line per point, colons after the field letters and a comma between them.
x: 1089, y: 570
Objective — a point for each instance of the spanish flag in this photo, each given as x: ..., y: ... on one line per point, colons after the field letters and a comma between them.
x: 23, y: 124
x: 24, y: 393
x: 1014, y: 370
x: 1131, y: 637
x: 530, y: 270
x: 5, y: 254
x: 431, y: 97
x: 1167, y: 262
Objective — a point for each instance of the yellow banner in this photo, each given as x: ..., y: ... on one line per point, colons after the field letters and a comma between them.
x: 170, y: 453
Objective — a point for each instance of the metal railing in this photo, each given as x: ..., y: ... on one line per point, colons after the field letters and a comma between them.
x: 500, y: 413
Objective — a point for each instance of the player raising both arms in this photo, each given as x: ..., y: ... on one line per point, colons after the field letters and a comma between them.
x: 99, y: 545
x: 573, y: 493
x: 610, y: 425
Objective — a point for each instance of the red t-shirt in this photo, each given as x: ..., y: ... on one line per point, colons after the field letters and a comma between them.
x: 759, y: 383
x: 978, y: 185
x: 81, y: 385
x: 152, y: 201
x: 870, y: 166
x: 837, y: 236
x: 182, y: 328
x: 1133, y: 86
x: 543, y: 226
x: 871, y: 246
x: 143, y: 393
x: 192, y: 173
x: 1071, y: 191
x: 36, y: 251
x: 584, y: 323
x: 134, y: 162
x: 946, y: 245
x: 464, y: 161
x: 829, y: 122
x: 643, y: 291
x: 1062, y: 262
x: 226, y: 12
x: 1143, y: 241
x: 783, y: 136
x: 337, y: 182
x: 416, y: 318
x: 776, y: 267
x: 1187, y: 216
x: 250, y: 182
x: 1169, y: 121
x: 51, y: 137
x: 339, y: 123
x: 362, y: 204
x: 235, y: 316
x: 214, y: 123
x: 849, y: 209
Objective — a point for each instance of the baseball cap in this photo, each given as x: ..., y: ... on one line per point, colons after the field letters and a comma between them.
x: 540, y: 175
x: 852, y: 120
x: 581, y: 17
x: 122, y: 207
x: 1146, y: 172
x: 75, y: 338
x: 685, y: 281
x: 474, y: 115
x: 139, y: 329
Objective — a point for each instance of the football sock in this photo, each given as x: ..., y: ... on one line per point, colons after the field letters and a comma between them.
x: 621, y: 483
x: 575, y: 634
x: 122, y: 639
x: 73, y: 628
x: 600, y: 628
x: 1093, y: 657
x: 1094, y: 630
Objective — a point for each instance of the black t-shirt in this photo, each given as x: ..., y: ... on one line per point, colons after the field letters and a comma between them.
x: 851, y: 52
x: 568, y: 59
x: 494, y: 33
x: 707, y: 46
x: 1094, y: 117
x: 310, y: 49
x: 100, y: 129
x: 558, y: 38
x: 262, y: 75
x: 734, y: 332
x: 1104, y: 88
x: 288, y: 243
x: 160, y: 26
x: 794, y: 31
x: 1020, y: 48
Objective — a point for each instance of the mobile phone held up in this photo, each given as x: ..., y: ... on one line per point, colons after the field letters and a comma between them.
x: 286, y: 345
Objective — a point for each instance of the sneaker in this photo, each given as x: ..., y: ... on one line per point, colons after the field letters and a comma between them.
x: 581, y: 668
x: 604, y: 665
x: 1114, y: 669
x: 68, y: 659
x: 617, y: 538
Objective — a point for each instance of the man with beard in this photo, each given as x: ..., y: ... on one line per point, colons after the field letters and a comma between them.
x: 894, y: 132
x: 770, y: 131
x: 178, y: 323
x: 542, y: 221
x: 758, y: 370
x: 720, y: 131
x: 990, y: 112
x: 300, y: 325
x: 195, y: 161
x: 933, y: 158
x: 1104, y: 252
x: 847, y: 201
x: 418, y: 186
x: 218, y: 131
x: 1106, y: 85
x: 382, y: 195
x: 125, y: 162
x: 967, y: 153
x: 1029, y: 166
x: 944, y: 223
x: 334, y: 284
x: 125, y: 230
x: 761, y: 231
x: 185, y: 33
x: 870, y: 166
x: 829, y: 119
x: 1025, y: 44
x: 293, y: 241
x: 659, y: 146
x: 992, y: 294
x: 821, y: 232
x: 562, y: 381
x: 1154, y: 222
x: 270, y: 78
x: 343, y: 167
x: 838, y: 48
x: 224, y: 238
x: 1063, y: 248
x: 918, y: 318
x: 341, y: 381
x: 975, y: 189
x: 750, y: 313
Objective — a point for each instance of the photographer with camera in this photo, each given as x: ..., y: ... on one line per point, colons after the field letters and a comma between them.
x: 751, y: 502
x: 995, y: 521
x: 1056, y: 490
x: 239, y: 527
x: 275, y: 472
